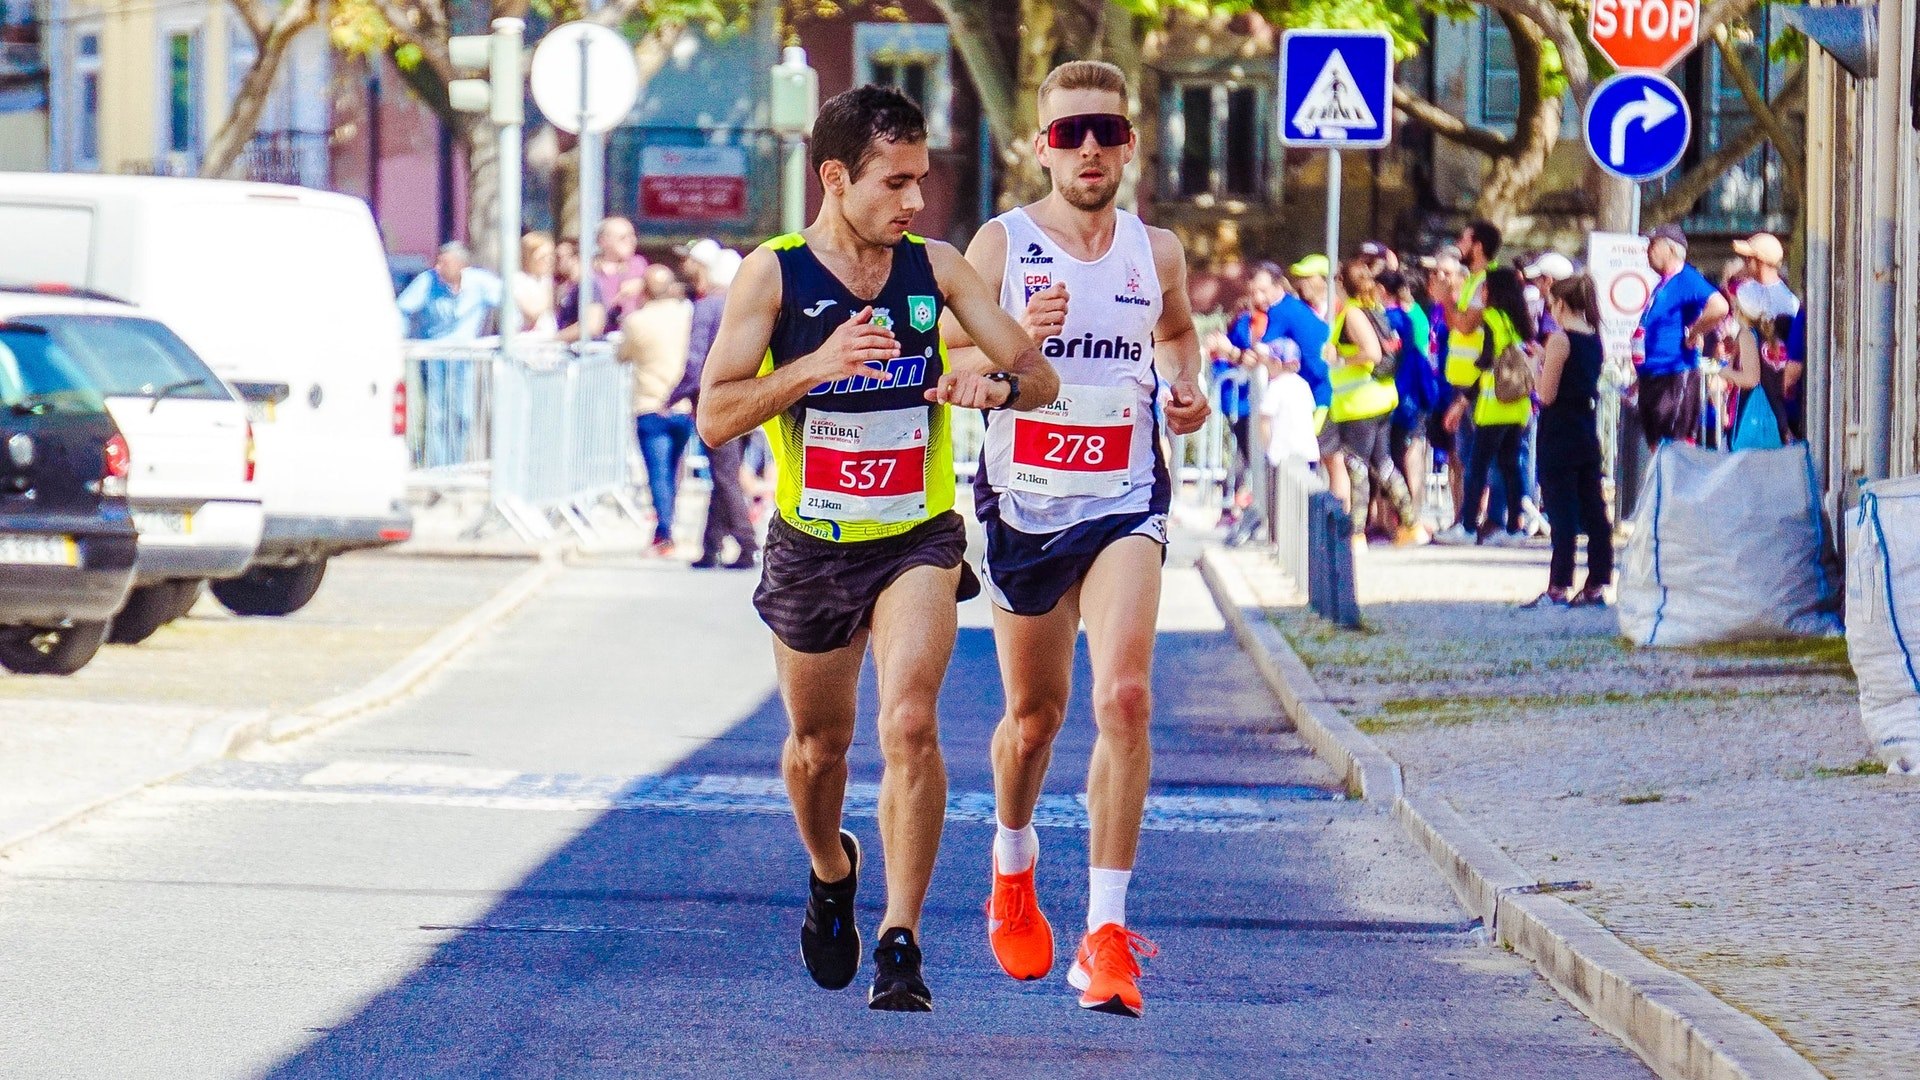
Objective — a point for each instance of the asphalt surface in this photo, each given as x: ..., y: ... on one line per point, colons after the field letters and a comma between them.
x: 569, y: 856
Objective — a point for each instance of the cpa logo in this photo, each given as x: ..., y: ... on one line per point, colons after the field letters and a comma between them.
x: 1036, y: 255
x: 1037, y: 282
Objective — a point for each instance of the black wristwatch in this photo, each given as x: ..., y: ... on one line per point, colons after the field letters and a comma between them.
x: 1013, y: 388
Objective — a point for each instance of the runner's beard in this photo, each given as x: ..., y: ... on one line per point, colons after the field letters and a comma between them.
x: 1096, y: 197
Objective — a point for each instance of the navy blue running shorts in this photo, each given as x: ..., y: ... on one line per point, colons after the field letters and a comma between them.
x: 1028, y: 573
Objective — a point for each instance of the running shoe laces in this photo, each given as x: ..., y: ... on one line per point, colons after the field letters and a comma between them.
x: 1118, y: 951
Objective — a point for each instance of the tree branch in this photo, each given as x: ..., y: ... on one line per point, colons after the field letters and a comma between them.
x: 256, y: 20
x: 1448, y: 126
x: 1559, y: 29
x: 1697, y: 181
x: 1763, y: 114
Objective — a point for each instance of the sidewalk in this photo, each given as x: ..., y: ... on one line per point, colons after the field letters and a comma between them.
x: 143, y: 711
x: 1714, y: 808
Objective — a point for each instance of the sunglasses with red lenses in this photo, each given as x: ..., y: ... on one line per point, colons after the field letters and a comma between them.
x: 1070, y: 132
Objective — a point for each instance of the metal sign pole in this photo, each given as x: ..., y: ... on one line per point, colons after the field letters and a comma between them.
x: 1333, y: 229
x: 591, y: 198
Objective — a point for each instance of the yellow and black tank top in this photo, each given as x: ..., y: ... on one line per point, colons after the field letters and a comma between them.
x: 862, y: 458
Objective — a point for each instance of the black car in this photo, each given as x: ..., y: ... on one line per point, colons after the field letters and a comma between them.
x: 66, y: 540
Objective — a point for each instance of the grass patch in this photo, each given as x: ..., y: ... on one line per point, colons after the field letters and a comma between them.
x: 1863, y: 767
x: 1818, y: 650
x: 1419, y: 705
x: 1642, y: 799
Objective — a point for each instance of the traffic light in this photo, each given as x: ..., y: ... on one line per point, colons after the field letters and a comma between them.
x: 502, y: 93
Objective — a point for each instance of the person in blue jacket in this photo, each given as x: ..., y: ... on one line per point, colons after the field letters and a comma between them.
x: 1284, y: 316
x: 1416, y: 378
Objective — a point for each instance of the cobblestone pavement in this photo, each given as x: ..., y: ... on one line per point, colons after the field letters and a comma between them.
x: 1718, y: 802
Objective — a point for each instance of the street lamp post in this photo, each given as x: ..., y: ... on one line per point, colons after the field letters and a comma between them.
x: 795, y: 101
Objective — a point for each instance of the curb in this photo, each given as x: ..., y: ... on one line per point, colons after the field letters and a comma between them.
x: 233, y: 731
x: 1366, y: 769
x: 1673, y: 1024
x: 400, y: 679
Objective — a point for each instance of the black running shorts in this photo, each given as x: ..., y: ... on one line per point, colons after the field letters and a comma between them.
x: 1028, y: 573
x: 817, y: 595
x: 1669, y: 407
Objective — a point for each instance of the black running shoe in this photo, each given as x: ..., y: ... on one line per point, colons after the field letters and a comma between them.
x: 829, y: 941
x: 897, y: 985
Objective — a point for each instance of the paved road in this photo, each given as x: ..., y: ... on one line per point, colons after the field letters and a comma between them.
x: 569, y: 857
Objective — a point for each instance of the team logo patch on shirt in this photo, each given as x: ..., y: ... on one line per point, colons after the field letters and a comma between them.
x: 883, y: 318
x: 921, y: 312
x: 1035, y: 256
x: 1036, y: 282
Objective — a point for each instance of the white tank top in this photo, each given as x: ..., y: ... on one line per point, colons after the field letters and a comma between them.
x: 1097, y: 451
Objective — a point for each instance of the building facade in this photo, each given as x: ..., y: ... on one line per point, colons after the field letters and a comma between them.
x: 1863, y: 260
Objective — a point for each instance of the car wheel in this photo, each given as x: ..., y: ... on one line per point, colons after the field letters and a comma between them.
x: 27, y: 650
x: 189, y: 596
x: 271, y: 590
x: 148, y: 608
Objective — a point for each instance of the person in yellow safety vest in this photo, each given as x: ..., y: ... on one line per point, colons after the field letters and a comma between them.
x: 1498, y: 426
x: 1362, y: 413
x: 1479, y: 245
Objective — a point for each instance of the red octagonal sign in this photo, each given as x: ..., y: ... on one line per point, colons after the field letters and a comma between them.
x: 1644, y: 35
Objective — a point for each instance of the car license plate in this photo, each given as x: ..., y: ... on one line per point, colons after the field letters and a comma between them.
x: 260, y: 412
x: 38, y: 550
x: 163, y: 522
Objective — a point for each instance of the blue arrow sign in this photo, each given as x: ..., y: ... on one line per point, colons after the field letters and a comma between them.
x: 1638, y: 125
x: 1336, y: 89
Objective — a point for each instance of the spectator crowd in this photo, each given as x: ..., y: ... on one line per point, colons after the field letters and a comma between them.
x: 661, y: 319
x: 1455, y: 397
x: 1452, y: 397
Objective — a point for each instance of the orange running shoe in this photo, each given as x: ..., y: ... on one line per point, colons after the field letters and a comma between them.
x: 1021, y: 938
x: 1107, y: 971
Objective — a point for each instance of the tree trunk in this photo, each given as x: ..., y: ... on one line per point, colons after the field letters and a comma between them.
x: 1124, y: 49
x: 483, y: 189
x: 1510, y: 181
x: 1022, y: 180
x: 230, y: 141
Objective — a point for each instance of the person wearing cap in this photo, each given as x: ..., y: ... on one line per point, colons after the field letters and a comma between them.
x: 1542, y: 274
x: 1683, y: 308
x: 1764, y: 290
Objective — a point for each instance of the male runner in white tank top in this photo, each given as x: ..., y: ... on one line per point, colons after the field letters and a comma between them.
x: 1074, y: 499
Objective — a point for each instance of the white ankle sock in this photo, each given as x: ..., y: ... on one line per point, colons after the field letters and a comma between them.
x: 1106, y: 897
x: 1015, y: 850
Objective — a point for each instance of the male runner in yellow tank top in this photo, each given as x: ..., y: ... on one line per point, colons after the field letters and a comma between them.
x: 830, y: 337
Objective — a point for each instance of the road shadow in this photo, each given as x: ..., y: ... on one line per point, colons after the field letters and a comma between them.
x: 663, y: 943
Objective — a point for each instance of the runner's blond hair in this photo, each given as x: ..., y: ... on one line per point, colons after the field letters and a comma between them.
x: 1084, y: 75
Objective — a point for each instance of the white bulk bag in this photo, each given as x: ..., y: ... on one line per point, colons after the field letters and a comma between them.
x: 1883, y: 618
x: 1727, y: 547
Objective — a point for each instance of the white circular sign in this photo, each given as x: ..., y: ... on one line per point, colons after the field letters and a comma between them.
x: 584, y: 78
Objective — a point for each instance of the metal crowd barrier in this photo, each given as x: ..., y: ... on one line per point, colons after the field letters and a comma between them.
x: 544, y: 429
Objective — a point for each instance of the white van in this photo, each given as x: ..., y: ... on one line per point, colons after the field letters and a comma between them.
x: 284, y: 292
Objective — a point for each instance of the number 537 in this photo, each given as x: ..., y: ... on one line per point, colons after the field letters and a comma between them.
x: 866, y: 475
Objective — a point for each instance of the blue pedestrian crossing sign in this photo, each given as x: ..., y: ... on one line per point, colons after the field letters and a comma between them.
x: 1336, y: 89
x: 1638, y: 125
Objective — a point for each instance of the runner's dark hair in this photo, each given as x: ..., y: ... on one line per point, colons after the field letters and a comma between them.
x: 851, y: 123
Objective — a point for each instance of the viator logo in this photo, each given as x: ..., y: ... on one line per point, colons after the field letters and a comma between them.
x: 1036, y: 255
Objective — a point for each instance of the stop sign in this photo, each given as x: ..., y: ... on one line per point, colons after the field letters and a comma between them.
x: 1646, y: 35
